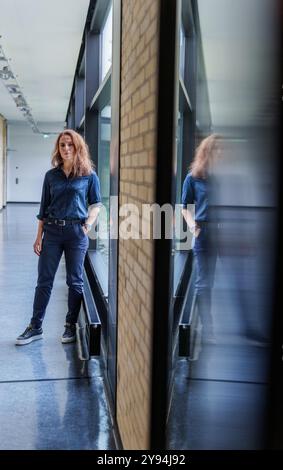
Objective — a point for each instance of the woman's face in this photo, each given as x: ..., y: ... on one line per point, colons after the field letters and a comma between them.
x: 217, y: 154
x: 66, y: 148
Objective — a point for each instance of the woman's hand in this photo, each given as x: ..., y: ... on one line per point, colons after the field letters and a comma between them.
x: 37, y: 246
x: 197, y: 231
x: 85, y: 230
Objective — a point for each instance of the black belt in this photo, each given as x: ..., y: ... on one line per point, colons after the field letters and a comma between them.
x: 62, y: 222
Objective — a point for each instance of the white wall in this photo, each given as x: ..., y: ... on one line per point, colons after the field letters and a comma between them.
x: 28, y: 158
x: 2, y: 160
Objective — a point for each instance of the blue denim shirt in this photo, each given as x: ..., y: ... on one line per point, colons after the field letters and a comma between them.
x: 195, y: 192
x: 68, y: 198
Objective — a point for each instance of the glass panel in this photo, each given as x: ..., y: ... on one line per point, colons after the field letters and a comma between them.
x: 106, y: 45
x: 182, y: 52
x: 222, y: 299
x: 104, y: 177
x: 179, y: 158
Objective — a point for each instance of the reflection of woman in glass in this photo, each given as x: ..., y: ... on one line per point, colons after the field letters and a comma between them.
x: 195, y: 191
x: 63, y: 225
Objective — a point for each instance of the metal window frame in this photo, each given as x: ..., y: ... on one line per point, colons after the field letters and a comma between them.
x: 96, y: 96
x: 162, y: 248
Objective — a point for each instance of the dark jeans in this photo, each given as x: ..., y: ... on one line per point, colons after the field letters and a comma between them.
x: 205, y: 269
x: 71, y: 240
x: 205, y: 255
x: 205, y: 262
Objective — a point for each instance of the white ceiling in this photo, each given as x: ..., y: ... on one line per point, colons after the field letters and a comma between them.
x: 239, y: 45
x: 42, y: 38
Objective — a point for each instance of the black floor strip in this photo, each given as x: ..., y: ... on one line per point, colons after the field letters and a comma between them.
x: 49, y: 380
x: 246, y: 382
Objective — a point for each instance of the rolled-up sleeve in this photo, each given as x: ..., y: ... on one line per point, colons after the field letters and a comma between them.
x: 188, y: 191
x: 94, y: 196
x: 45, y: 199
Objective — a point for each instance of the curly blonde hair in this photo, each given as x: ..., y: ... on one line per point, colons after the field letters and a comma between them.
x: 82, y: 164
x: 203, y: 154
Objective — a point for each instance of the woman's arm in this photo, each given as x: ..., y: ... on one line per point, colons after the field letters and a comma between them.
x: 188, y: 198
x: 92, y: 218
x: 188, y: 218
x: 45, y: 201
x: 193, y: 226
x: 37, y: 246
x: 94, y: 200
x: 45, y: 198
x: 92, y: 215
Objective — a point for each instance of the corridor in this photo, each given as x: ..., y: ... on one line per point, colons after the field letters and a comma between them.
x: 49, y: 399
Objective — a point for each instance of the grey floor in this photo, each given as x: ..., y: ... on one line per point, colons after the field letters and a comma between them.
x: 49, y: 399
x: 219, y: 396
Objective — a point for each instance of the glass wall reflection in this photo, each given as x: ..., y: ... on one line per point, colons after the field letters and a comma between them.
x: 222, y: 293
x: 106, y: 44
x: 100, y: 136
x: 104, y: 178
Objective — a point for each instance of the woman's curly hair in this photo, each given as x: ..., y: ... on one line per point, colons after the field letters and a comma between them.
x: 203, y: 154
x: 82, y: 164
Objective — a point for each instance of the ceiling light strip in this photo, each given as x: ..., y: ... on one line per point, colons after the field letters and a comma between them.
x: 12, y: 86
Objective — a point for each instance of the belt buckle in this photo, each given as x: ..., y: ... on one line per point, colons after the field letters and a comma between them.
x: 61, y: 222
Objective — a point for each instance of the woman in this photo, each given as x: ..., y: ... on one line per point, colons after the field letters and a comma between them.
x: 195, y: 191
x: 64, y: 221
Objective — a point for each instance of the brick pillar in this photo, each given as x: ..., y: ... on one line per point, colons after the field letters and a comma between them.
x: 137, y: 175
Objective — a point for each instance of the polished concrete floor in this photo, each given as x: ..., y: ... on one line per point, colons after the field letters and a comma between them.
x: 219, y: 398
x: 49, y: 399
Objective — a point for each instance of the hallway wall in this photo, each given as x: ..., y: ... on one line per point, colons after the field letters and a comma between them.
x: 28, y: 158
x: 137, y: 173
x: 3, y: 161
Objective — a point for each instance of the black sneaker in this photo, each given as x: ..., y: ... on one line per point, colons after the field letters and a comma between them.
x: 69, y: 335
x: 30, y: 334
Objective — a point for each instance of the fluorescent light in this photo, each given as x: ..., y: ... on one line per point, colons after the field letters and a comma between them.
x: 20, y: 101
x: 14, y: 88
x: 6, y: 73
